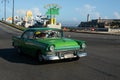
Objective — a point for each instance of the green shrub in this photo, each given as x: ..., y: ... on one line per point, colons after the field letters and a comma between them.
x: 15, y: 26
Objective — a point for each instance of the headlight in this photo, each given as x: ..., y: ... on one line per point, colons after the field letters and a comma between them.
x: 52, y: 48
x: 84, y: 45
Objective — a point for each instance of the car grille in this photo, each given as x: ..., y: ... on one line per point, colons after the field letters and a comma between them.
x: 66, y: 54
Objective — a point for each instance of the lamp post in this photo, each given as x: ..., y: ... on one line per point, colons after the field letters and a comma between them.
x: 5, y: 8
x: 13, y: 13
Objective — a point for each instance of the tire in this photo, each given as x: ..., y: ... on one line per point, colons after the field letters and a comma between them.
x: 19, y: 51
x: 76, y: 59
x: 39, y: 57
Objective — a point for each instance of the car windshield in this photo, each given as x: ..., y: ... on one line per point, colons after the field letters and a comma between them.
x: 48, y: 34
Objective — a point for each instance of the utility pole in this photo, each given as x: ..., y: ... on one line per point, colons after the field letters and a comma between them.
x: 4, y: 9
x: 13, y: 13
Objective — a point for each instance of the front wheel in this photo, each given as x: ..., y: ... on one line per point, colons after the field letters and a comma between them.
x: 18, y: 49
x: 40, y: 57
x: 77, y: 58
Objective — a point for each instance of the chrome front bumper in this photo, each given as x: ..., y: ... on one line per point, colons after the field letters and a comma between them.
x: 82, y: 54
x: 51, y: 57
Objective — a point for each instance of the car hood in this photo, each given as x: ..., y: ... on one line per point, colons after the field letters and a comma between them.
x: 60, y: 43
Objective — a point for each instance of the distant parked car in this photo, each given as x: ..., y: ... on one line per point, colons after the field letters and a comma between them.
x: 48, y: 44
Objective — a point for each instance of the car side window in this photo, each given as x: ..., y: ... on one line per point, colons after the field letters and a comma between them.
x: 28, y: 35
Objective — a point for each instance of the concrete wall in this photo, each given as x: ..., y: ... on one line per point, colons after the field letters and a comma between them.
x: 113, y: 30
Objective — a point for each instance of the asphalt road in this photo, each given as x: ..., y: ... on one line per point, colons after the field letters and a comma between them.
x: 102, y: 62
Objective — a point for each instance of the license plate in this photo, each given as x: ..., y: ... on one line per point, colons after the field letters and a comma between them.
x: 68, y: 55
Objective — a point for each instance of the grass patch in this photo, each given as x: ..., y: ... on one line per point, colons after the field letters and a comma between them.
x: 15, y: 26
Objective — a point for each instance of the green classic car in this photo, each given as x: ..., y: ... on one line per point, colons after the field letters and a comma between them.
x: 48, y: 44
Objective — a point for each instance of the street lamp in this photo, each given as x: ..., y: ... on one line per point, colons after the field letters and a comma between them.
x: 5, y: 8
x: 13, y: 13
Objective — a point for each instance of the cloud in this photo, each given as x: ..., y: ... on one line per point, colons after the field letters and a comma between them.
x: 36, y: 11
x: 117, y: 15
x: 88, y: 9
x: 106, y: 17
x: 75, y: 19
x: 21, y: 12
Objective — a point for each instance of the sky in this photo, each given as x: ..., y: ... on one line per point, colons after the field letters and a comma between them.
x: 71, y: 13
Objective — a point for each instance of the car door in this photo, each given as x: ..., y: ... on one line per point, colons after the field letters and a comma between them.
x: 28, y: 40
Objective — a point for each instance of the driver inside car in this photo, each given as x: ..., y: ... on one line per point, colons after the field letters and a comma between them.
x: 40, y: 35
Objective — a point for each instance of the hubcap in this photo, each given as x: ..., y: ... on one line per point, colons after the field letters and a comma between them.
x: 40, y: 58
x: 18, y: 50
